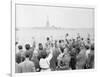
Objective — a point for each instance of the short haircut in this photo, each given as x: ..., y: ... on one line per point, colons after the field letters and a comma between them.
x: 92, y: 47
x: 87, y: 47
x: 40, y: 44
x: 74, y: 46
x: 82, y: 38
x: 59, y: 41
x: 27, y: 46
x: 16, y: 43
x: 20, y: 47
x: 44, y: 54
x: 67, y: 34
x: 88, y: 39
x: 27, y: 54
x: 48, y: 38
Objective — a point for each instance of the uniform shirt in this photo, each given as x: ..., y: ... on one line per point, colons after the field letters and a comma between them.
x: 27, y: 66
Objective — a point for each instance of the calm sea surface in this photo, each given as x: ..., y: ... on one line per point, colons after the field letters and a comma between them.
x: 24, y: 36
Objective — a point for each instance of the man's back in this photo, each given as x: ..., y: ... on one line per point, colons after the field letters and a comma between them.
x: 27, y: 66
x: 53, y: 61
x: 81, y: 59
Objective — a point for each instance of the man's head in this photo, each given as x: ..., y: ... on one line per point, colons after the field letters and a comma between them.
x: 60, y: 41
x: 92, y: 47
x: 67, y: 34
x: 40, y: 46
x: 82, y: 46
x: 20, y: 47
x: 48, y: 38
x: 44, y: 54
x: 82, y: 39
x: 16, y: 43
x: 27, y: 46
x: 27, y: 54
x: 87, y: 47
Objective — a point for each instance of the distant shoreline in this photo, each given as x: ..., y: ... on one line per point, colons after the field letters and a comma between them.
x: 52, y: 28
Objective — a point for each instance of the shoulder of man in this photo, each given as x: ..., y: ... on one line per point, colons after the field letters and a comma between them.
x: 21, y: 64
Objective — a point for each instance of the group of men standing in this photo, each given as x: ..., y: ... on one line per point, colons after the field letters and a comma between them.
x: 67, y: 54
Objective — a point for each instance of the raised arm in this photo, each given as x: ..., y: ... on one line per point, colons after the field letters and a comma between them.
x: 50, y: 55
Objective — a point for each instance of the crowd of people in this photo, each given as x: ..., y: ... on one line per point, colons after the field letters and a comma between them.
x: 65, y: 54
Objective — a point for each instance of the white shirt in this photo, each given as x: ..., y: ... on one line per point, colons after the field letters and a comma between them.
x: 44, y: 63
x: 87, y: 53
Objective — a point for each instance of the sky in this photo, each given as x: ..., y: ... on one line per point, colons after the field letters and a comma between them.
x: 37, y: 16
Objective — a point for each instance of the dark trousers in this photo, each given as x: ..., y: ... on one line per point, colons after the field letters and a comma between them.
x: 73, y: 63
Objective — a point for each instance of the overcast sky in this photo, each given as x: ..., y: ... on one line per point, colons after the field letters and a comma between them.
x: 36, y: 16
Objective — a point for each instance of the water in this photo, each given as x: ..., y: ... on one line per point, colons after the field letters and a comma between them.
x: 25, y: 35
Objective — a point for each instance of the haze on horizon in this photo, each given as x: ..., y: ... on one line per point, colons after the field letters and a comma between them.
x: 38, y: 16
